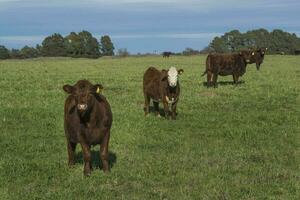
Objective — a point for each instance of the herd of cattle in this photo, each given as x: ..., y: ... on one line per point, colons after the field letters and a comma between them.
x: 88, y: 116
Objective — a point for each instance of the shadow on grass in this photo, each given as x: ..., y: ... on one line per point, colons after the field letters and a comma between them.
x: 224, y: 83
x: 160, y: 110
x: 95, y: 158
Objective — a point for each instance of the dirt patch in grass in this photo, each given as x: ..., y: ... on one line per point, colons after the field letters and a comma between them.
x: 208, y: 94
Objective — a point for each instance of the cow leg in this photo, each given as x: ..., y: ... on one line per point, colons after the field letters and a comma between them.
x: 166, y: 109
x: 87, y: 159
x: 209, y: 76
x: 174, y: 110
x: 71, y: 151
x: 234, y: 77
x: 104, y: 151
x: 156, y: 108
x: 147, y: 103
x: 215, y: 78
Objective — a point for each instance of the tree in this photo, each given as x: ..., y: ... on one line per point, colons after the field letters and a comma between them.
x: 4, y: 52
x: 123, y: 52
x: 15, y: 54
x: 90, y: 45
x: 106, y: 46
x: 54, y: 46
x: 29, y: 52
x: 190, y: 52
x: 74, y: 45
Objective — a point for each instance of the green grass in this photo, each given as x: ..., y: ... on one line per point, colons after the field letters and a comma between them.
x: 233, y: 142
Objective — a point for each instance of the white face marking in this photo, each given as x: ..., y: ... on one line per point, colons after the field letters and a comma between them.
x: 172, y: 77
x: 252, y: 54
x: 82, y: 106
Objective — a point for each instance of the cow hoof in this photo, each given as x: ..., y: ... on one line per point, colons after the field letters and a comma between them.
x: 87, y: 172
x: 71, y: 165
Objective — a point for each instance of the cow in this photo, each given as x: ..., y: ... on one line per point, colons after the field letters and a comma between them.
x: 226, y: 64
x: 162, y: 86
x: 258, y: 57
x: 167, y: 54
x: 87, y: 121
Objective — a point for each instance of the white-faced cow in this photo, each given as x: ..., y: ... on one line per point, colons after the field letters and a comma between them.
x: 162, y: 86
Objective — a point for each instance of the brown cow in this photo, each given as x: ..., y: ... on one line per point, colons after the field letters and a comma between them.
x: 226, y: 64
x: 87, y: 120
x: 162, y: 86
x: 258, y: 56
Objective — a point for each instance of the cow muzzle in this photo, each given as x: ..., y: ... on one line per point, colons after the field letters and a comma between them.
x: 82, y: 107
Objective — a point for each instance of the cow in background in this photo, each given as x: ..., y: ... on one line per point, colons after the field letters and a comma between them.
x: 226, y: 64
x: 258, y: 57
x: 167, y: 54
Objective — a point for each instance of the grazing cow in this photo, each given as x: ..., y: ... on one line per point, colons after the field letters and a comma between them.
x: 167, y: 54
x: 162, y: 86
x: 226, y: 64
x: 87, y: 120
x: 258, y: 56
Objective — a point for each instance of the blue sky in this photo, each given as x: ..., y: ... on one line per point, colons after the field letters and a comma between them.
x: 143, y: 25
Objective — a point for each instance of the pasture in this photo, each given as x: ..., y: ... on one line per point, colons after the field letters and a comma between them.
x: 232, y: 142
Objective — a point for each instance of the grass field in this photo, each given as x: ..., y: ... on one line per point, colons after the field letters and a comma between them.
x: 232, y: 142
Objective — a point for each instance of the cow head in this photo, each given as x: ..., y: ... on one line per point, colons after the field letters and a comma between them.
x: 84, y: 93
x: 172, y: 76
x: 249, y: 56
x: 262, y: 51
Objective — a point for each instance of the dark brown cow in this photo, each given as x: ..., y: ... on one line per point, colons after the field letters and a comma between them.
x: 162, y: 86
x: 258, y: 56
x: 225, y: 64
x: 87, y: 120
x: 167, y: 54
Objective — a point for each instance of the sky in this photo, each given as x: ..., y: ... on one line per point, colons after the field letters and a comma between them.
x: 143, y: 25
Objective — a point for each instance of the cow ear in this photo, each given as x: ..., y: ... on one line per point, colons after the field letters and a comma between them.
x: 97, y: 88
x: 68, y: 89
x: 180, y: 71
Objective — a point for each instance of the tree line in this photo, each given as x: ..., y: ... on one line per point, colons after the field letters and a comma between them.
x: 76, y: 45
x: 277, y: 41
x: 84, y: 45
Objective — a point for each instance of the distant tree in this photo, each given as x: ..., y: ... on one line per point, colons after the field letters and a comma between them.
x: 15, y: 54
x: 190, y: 52
x: 206, y: 50
x: 54, y: 45
x: 106, y: 46
x: 29, y: 52
x: 74, y: 45
x: 123, y: 52
x: 4, y: 52
x: 39, y: 49
x: 90, y: 45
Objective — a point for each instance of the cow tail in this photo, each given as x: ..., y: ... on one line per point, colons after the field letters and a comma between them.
x: 205, y: 72
x: 207, y: 65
